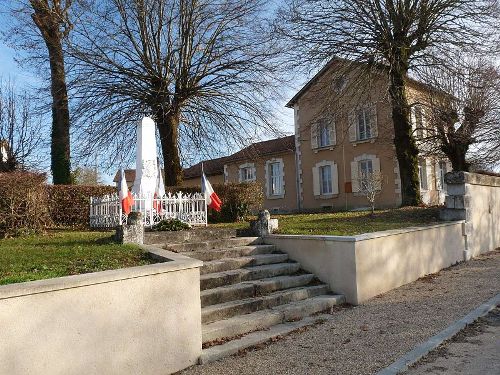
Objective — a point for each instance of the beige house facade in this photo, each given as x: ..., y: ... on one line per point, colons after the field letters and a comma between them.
x: 343, y: 134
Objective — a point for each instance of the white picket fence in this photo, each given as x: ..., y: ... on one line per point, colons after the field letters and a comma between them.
x: 106, y: 211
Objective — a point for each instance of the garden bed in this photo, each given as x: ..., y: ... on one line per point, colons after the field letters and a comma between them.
x: 64, y: 253
x: 349, y: 223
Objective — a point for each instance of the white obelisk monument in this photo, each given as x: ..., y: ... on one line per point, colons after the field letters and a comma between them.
x: 146, y: 170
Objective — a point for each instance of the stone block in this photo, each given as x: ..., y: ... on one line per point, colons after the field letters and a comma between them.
x: 456, y: 189
x: 133, y: 231
x: 264, y: 225
x: 457, y: 201
x: 452, y: 214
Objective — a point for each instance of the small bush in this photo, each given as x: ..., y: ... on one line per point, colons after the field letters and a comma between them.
x: 69, y: 205
x: 170, y: 225
x: 238, y: 200
x: 23, y: 204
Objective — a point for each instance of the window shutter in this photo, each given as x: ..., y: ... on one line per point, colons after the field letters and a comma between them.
x: 428, y: 170
x: 314, y: 135
x: 354, y: 176
x: 335, y: 179
x: 437, y: 168
x: 240, y: 175
x: 316, y: 188
x: 376, y: 169
x: 352, y: 126
x: 413, y: 119
x: 373, y: 121
x: 267, y: 172
x: 333, y: 135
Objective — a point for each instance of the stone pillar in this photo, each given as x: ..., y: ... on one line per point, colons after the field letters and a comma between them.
x: 133, y: 231
x: 146, y: 170
x: 458, y: 205
x: 264, y: 225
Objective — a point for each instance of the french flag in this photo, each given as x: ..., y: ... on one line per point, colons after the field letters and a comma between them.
x: 159, y: 191
x: 211, y: 198
x: 125, y: 195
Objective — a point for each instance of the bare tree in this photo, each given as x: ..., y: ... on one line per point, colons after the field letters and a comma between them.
x: 464, y: 116
x: 204, y: 70
x: 38, y: 23
x: 20, y: 130
x: 86, y: 176
x: 399, y: 35
x: 370, y: 185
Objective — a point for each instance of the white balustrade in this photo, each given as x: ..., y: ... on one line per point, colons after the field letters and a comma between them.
x: 106, y: 211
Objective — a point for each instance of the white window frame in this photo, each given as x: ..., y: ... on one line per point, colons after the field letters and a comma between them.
x: 329, y: 183
x: 356, y: 170
x: 333, y: 187
x: 364, y: 114
x: 243, y: 175
x: 442, y: 172
x: 323, y: 133
x: 418, y: 114
x: 279, y: 180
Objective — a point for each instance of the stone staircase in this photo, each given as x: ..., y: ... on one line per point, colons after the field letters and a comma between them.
x: 250, y: 291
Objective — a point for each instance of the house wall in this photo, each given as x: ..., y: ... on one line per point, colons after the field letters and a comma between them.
x: 313, y: 105
x: 324, y: 99
x: 289, y: 200
x: 215, y: 179
x: 140, y: 320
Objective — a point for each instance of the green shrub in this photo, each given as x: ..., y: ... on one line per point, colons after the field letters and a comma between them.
x: 238, y: 200
x: 69, y: 205
x: 170, y: 225
x: 23, y: 204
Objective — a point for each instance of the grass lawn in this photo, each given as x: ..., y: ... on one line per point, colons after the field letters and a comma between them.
x: 64, y: 253
x: 350, y: 223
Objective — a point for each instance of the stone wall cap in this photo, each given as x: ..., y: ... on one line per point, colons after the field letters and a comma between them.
x: 172, y: 262
x: 461, y: 177
x: 365, y: 236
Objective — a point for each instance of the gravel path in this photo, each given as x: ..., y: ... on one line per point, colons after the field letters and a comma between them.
x: 366, y: 338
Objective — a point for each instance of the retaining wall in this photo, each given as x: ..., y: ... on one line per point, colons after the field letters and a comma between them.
x: 361, y: 267
x: 141, y: 320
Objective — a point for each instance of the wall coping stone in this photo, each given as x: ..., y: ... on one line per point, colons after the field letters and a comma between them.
x: 461, y: 177
x: 364, y: 236
x: 171, y: 262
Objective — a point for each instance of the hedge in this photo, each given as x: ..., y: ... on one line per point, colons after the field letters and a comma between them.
x: 238, y: 200
x: 69, y: 204
x: 23, y: 204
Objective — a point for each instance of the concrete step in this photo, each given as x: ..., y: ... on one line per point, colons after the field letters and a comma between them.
x: 214, y: 280
x: 222, y: 243
x: 248, y: 305
x: 232, y: 252
x: 217, y: 352
x: 252, y: 288
x: 227, y: 264
x: 192, y: 235
x: 263, y: 319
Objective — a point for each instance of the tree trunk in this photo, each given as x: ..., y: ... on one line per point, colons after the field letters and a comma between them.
x: 60, y: 145
x: 456, y: 155
x: 406, y: 148
x: 48, y: 24
x: 168, y: 127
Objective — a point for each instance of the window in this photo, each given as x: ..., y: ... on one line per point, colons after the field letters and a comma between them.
x: 363, y: 123
x: 323, y: 134
x: 275, y: 179
x: 247, y: 174
x: 442, y: 172
x: 325, y: 180
x: 339, y: 84
x: 422, y: 174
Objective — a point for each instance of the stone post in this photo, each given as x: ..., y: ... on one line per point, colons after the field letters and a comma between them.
x: 458, y: 205
x: 133, y: 231
x: 264, y: 225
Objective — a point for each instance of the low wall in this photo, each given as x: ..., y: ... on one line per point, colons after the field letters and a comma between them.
x: 363, y: 266
x: 475, y: 198
x: 141, y: 320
